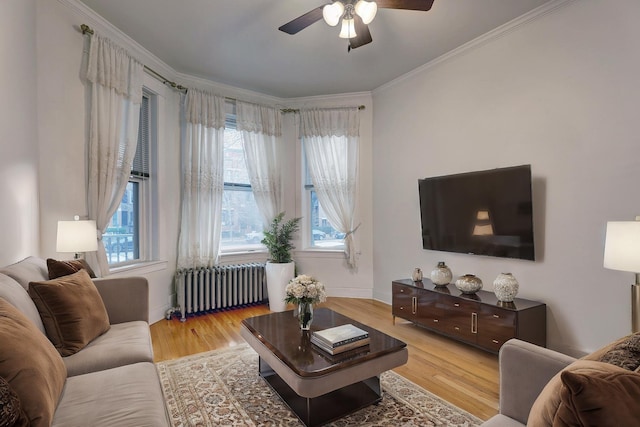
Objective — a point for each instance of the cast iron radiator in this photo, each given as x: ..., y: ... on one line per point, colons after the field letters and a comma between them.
x: 221, y: 287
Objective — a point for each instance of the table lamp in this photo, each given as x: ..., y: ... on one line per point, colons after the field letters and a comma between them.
x: 77, y: 236
x: 622, y: 252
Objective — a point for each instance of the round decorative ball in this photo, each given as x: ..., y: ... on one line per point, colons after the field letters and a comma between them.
x: 505, y: 287
x: 441, y: 275
x: 469, y: 284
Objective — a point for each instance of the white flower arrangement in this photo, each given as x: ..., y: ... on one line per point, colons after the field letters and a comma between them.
x: 305, y: 289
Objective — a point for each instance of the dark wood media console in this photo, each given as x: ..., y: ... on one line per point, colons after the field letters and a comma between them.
x: 479, y: 319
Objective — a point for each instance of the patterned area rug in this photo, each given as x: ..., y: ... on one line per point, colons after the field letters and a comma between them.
x: 223, y: 388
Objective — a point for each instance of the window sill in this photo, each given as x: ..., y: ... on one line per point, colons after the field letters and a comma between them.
x: 319, y: 253
x: 241, y: 252
x: 138, y: 269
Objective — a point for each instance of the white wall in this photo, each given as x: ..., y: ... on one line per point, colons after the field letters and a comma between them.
x: 18, y: 133
x: 559, y: 93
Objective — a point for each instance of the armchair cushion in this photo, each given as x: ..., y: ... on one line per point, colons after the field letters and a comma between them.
x: 71, y: 309
x: 598, y: 394
x: 546, y: 406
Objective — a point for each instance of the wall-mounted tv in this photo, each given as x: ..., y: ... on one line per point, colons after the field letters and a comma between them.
x: 483, y: 213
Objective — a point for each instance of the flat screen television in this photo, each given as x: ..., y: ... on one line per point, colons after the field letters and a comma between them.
x: 482, y: 213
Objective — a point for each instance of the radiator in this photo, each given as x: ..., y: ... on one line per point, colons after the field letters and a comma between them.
x: 227, y: 286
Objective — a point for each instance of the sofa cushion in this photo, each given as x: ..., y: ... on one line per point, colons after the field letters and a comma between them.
x: 123, y: 344
x: 64, y: 268
x: 31, y: 365
x: 71, y: 309
x: 11, y: 413
x: 598, y: 395
x: 15, y: 294
x: 30, y: 269
x: 130, y: 395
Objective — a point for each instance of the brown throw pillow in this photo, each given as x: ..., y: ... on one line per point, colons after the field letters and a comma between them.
x: 599, y: 396
x: 11, y: 413
x: 29, y: 363
x: 72, y: 311
x: 64, y: 268
x: 625, y: 353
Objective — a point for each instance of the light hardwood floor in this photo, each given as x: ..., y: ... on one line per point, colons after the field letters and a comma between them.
x: 458, y: 373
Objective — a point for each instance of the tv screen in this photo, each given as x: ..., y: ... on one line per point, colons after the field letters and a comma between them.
x: 483, y: 213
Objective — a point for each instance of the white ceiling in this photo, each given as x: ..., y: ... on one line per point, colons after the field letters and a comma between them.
x: 237, y: 42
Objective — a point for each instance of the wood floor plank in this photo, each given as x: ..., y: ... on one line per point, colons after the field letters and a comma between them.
x: 458, y: 373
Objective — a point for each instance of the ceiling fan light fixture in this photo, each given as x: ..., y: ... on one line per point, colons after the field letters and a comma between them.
x: 366, y: 10
x: 332, y: 13
x: 348, y: 29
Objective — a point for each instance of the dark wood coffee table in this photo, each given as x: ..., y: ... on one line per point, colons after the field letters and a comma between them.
x: 317, y: 386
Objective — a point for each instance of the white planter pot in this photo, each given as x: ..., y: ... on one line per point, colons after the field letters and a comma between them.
x: 278, y: 276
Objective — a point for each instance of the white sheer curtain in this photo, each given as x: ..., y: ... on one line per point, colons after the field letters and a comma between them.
x: 330, y: 139
x: 202, y: 180
x: 115, y: 82
x: 261, y: 129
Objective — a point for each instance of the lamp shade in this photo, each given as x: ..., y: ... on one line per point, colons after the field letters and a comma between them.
x: 332, y: 13
x: 622, y: 246
x: 366, y: 10
x: 77, y: 236
x: 348, y: 29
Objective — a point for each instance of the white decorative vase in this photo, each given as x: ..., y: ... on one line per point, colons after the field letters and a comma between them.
x: 469, y: 284
x: 505, y: 287
x: 417, y: 275
x: 278, y: 276
x: 441, y: 275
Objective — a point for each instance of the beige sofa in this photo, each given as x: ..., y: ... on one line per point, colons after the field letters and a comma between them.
x: 112, y: 381
x: 540, y: 387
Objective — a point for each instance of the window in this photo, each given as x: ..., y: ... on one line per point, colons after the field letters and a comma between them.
x: 320, y: 233
x: 241, y: 220
x: 126, y: 238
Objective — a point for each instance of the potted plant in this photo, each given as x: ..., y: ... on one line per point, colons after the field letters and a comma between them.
x: 280, y: 268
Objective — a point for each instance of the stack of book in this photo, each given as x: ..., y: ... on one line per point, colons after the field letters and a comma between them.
x: 340, y: 338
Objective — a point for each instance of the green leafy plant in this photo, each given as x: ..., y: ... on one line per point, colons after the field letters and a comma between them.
x: 278, y: 237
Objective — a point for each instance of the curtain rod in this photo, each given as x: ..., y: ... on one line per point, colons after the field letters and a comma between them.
x: 88, y: 30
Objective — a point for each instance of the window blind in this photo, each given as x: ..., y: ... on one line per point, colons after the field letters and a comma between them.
x: 140, y: 166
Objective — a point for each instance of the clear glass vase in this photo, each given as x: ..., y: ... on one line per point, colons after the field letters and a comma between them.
x: 305, y: 315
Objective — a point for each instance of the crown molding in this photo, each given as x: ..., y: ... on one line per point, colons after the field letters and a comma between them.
x: 89, y: 17
x: 488, y: 37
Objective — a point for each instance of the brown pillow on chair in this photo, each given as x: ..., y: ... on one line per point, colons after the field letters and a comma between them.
x: 72, y: 311
x: 64, y: 268
x: 598, y: 395
x: 32, y: 367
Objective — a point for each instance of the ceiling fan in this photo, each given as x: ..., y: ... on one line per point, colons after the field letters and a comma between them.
x: 355, y: 16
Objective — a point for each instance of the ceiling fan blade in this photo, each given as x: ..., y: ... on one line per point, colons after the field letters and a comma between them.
x: 363, y: 36
x: 303, y: 21
x: 406, y: 4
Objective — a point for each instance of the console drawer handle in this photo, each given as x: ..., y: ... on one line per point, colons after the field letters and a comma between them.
x: 456, y: 305
x: 496, y: 316
x: 435, y: 320
x: 495, y: 341
x: 456, y: 328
